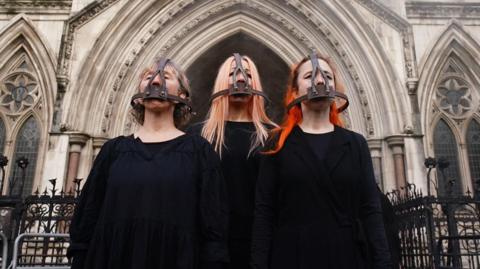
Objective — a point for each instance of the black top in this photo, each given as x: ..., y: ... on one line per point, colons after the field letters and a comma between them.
x: 319, y: 214
x: 156, y: 147
x: 159, y: 209
x: 319, y: 143
x: 240, y: 169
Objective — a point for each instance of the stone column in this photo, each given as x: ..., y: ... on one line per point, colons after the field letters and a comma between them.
x: 375, y: 146
x: 396, y: 143
x: 97, y: 145
x: 76, y: 142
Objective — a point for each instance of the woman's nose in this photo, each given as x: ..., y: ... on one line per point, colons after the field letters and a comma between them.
x: 240, y: 77
x: 157, y: 80
x: 319, y: 79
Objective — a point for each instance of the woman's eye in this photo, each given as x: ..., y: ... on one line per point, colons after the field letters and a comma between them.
x: 328, y: 75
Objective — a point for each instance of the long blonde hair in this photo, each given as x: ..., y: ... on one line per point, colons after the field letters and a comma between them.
x: 214, y: 126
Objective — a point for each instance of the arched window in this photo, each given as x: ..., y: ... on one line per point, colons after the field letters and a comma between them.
x: 445, y: 146
x: 27, y: 143
x: 3, y: 136
x: 473, y: 147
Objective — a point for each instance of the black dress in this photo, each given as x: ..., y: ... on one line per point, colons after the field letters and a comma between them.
x: 312, y: 213
x: 240, y: 170
x: 151, y: 207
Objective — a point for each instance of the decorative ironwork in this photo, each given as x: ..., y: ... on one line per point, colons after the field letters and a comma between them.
x: 437, y: 232
x: 43, y: 213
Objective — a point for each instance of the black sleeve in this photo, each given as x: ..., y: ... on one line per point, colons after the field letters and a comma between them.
x: 213, y: 208
x: 264, y: 214
x: 371, y: 212
x: 88, y: 206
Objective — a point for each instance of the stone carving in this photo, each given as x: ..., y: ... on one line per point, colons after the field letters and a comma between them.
x: 65, y: 4
x: 454, y: 97
x: 442, y: 10
x: 401, y: 25
x: 142, y: 43
x: 70, y: 28
x: 20, y: 91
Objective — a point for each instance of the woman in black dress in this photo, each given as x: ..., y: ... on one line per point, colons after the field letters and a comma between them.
x: 155, y: 199
x: 317, y: 204
x: 237, y: 126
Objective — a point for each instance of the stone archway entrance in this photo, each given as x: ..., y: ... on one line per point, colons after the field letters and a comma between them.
x: 273, y: 73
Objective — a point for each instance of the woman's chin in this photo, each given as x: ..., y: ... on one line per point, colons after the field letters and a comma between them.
x: 157, y: 105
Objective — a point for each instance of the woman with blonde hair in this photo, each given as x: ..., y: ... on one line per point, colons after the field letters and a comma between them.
x: 317, y: 204
x: 237, y: 126
x: 154, y: 199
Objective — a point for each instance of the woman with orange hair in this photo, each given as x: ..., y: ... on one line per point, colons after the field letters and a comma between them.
x: 237, y: 127
x: 317, y: 204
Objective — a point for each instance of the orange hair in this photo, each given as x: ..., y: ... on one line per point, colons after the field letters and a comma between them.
x: 294, y: 115
x: 214, y: 127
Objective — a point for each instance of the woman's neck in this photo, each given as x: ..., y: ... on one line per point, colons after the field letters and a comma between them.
x: 316, y: 122
x: 238, y: 113
x: 158, y: 127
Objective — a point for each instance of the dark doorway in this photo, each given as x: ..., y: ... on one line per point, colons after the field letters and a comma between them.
x: 273, y: 73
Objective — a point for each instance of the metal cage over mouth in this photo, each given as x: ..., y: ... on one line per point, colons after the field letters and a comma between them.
x: 159, y: 92
x: 239, y: 87
x: 325, y: 90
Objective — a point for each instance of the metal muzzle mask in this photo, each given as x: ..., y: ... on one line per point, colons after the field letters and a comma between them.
x: 239, y: 87
x: 325, y: 90
x: 160, y: 92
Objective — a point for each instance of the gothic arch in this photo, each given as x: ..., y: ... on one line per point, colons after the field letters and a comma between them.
x: 453, y: 43
x: 20, y: 35
x: 108, y: 74
x: 25, y: 53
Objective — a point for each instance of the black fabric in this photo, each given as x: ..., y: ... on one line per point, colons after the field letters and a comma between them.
x: 319, y: 143
x: 318, y: 214
x: 240, y: 170
x: 140, y: 209
x: 156, y: 147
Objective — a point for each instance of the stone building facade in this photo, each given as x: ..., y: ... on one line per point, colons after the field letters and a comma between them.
x: 411, y: 68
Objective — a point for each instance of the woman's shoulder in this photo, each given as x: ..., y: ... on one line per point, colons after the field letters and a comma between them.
x: 358, y: 137
x: 111, y: 143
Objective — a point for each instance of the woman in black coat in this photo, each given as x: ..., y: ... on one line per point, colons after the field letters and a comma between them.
x: 237, y: 127
x: 317, y: 204
x: 155, y: 199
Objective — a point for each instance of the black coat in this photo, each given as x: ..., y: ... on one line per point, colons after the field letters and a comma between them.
x: 143, y: 209
x: 312, y: 214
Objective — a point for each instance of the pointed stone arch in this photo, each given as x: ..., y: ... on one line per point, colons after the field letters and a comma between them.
x: 21, y: 39
x: 118, y: 53
x: 27, y: 78
x: 454, y: 50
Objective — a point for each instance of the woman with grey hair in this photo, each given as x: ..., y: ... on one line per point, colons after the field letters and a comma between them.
x: 154, y: 199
